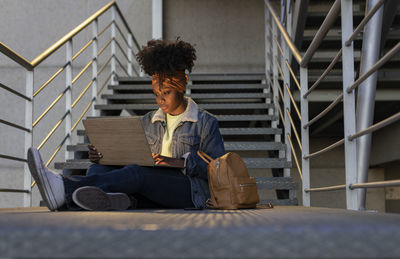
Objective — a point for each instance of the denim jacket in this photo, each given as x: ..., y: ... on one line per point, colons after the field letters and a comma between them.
x: 198, y: 130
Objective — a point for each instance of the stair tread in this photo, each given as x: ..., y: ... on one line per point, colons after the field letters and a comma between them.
x: 229, y: 145
x: 203, y: 77
x: 209, y: 106
x: 194, y: 87
x: 232, y: 131
x: 194, y: 96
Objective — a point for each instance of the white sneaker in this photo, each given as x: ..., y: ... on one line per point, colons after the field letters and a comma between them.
x: 50, y: 184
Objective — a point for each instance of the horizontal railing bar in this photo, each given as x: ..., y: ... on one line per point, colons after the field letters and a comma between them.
x: 280, y: 68
x: 293, y: 75
x: 336, y: 144
x: 104, y: 66
x: 321, y: 33
x: 104, y: 29
x: 293, y: 102
x: 289, y: 42
x: 364, y: 21
x: 375, y: 184
x: 375, y: 67
x: 104, y: 84
x: 14, y: 125
x: 326, y: 72
x: 280, y: 110
x: 82, y: 114
x: 104, y: 47
x: 279, y: 46
x: 82, y: 49
x: 14, y: 190
x: 69, y: 35
x: 122, y: 50
x: 329, y: 188
x: 51, y: 79
x: 122, y: 66
x: 53, y: 130
x: 15, y: 92
x: 375, y: 127
x: 58, y: 149
x: 327, y: 109
x: 280, y: 91
x: 294, y: 130
x: 82, y: 93
x: 51, y: 106
x: 127, y: 26
x: 15, y: 56
x: 13, y: 158
x: 295, y: 157
x: 121, y: 33
x: 82, y: 71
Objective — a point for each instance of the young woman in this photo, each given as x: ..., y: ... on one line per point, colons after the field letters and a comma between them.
x: 175, y: 132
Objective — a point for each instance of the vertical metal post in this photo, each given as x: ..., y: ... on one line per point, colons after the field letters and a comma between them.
x: 130, y: 51
x: 68, y: 97
x: 157, y: 18
x: 305, y: 138
x: 27, y: 198
x: 94, y: 65
x: 113, y: 49
x: 286, y: 101
x: 268, y: 41
x: 366, y: 95
x: 349, y: 105
x: 274, y: 124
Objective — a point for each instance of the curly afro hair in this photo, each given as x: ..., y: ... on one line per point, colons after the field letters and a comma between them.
x: 166, y: 57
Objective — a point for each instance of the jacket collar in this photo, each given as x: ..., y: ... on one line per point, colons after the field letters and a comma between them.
x: 190, y: 114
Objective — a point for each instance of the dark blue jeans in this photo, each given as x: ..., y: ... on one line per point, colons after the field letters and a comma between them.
x: 151, y: 187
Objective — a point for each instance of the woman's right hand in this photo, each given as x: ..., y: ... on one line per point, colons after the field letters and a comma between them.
x: 94, y: 155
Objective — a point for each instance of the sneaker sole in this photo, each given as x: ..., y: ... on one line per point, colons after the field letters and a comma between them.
x: 95, y: 199
x: 34, y: 164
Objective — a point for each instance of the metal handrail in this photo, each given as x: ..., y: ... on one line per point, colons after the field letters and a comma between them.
x: 328, y: 188
x: 14, y: 190
x: 327, y: 109
x: 104, y: 47
x: 279, y: 68
x: 122, y: 50
x: 375, y: 127
x: 293, y: 101
x: 293, y: 75
x: 321, y: 33
x: 127, y: 26
x: 50, y: 79
x: 82, y: 71
x: 14, y: 125
x: 50, y: 106
x: 289, y: 42
x: 294, y: 129
x: 55, y: 152
x: 71, y: 34
x: 375, y: 184
x: 82, y: 93
x: 295, y: 157
x: 104, y: 84
x: 53, y: 130
x: 375, y: 67
x: 104, y: 29
x: 13, y: 158
x: 15, y: 92
x: 15, y: 56
x: 83, y: 49
x: 280, y: 110
x: 336, y: 144
x: 83, y: 114
x: 121, y: 65
x: 104, y: 66
x: 364, y: 21
x: 325, y: 73
x: 121, y: 34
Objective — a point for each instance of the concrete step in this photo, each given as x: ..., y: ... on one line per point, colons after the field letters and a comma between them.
x: 131, y: 87
x: 251, y: 163
x: 283, y: 202
x: 200, y: 77
x: 232, y: 131
x: 229, y: 146
x: 207, y: 106
x: 193, y: 96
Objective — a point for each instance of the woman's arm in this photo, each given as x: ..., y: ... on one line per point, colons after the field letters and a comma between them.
x: 212, y: 144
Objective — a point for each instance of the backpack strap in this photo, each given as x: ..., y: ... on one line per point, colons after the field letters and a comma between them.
x: 204, y: 156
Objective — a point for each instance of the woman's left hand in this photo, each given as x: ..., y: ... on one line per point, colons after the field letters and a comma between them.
x: 169, y: 161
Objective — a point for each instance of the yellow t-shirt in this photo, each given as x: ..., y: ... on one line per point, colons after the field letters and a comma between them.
x: 171, y: 124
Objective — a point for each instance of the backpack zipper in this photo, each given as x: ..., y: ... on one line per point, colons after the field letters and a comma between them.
x: 217, y: 165
x: 244, y: 185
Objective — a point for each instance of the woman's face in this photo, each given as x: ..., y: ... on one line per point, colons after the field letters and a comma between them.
x: 169, y: 100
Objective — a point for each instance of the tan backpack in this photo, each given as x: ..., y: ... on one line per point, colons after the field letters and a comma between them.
x: 231, y: 187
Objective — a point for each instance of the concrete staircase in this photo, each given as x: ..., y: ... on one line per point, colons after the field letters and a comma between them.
x: 241, y: 102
